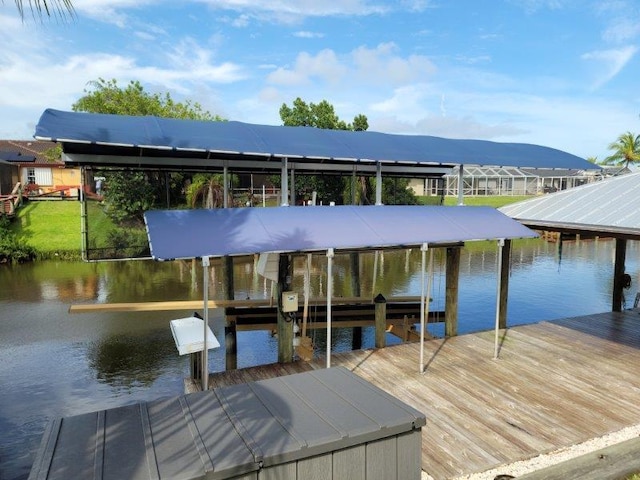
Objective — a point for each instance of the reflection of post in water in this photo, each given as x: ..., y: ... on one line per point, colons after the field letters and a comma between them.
x: 128, y: 361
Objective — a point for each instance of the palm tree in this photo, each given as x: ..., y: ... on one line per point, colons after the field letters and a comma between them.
x: 207, y: 190
x: 59, y: 8
x: 626, y: 150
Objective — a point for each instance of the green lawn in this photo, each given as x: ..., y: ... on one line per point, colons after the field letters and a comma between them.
x: 55, y: 226
x: 49, y: 226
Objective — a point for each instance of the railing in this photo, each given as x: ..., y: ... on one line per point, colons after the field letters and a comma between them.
x: 10, y: 203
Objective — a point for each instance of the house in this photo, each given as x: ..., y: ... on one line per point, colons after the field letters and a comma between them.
x: 484, y: 180
x: 40, y: 176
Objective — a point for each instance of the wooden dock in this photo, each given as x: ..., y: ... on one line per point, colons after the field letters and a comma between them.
x: 555, y: 384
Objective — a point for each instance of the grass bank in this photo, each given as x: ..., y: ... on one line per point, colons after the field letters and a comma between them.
x: 53, y: 228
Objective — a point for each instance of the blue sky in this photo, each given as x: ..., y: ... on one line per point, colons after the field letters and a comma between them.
x: 560, y: 73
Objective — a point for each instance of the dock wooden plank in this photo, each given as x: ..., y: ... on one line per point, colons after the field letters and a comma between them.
x: 555, y: 384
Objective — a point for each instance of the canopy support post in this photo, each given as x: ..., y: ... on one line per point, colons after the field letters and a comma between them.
x: 498, y: 298
x: 451, y: 295
x: 292, y: 192
x: 330, y: 254
x: 284, y: 183
x: 230, y: 331
x: 83, y: 215
x: 504, y: 282
x: 205, y: 321
x: 378, y: 183
x: 225, y: 180
x: 618, y: 272
x: 461, y: 185
x: 285, y: 322
x: 425, y: 298
x: 354, y: 257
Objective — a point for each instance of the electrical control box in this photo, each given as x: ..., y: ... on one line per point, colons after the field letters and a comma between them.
x: 289, y: 302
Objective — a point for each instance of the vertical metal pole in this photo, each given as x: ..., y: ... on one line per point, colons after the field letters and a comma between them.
x: 499, y: 288
x: 225, y: 180
x: 329, y: 294
x: 461, y: 185
x: 353, y: 186
x: 426, y: 305
x: 205, y: 350
x: 293, y: 185
x: 83, y: 216
x: 378, y: 183
x: 284, y: 183
x: 423, y: 249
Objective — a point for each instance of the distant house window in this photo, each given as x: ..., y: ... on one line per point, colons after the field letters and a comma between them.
x: 31, y: 175
x: 39, y: 176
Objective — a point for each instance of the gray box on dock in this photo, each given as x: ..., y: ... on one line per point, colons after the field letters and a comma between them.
x: 328, y: 424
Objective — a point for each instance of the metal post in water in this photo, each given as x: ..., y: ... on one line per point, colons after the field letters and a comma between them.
x: 329, y: 293
x: 205, y: 287
x: 500, y: 247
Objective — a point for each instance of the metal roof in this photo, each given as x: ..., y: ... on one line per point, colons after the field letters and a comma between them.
x: 176, y: 234
x: 610, y: 206
x: 152, y: 140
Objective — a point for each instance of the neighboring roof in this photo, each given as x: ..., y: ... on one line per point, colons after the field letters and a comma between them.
x: 176, y: 234
x: 145, y: 138
x: 560, y: 172
x: 610, y: 207
x: 26, y: 151
x: 16, y: 157
x: 497, y: 172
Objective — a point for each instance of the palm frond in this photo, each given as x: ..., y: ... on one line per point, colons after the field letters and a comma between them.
x: 49, y: 8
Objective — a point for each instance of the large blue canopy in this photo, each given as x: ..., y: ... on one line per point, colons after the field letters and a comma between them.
x: 147, y: 137
x: 181, y: 234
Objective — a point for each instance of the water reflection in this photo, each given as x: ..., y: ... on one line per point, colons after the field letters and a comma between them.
x: 56, y: 364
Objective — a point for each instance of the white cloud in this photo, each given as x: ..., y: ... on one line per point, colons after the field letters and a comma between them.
x: 609, y: 62
x: 324, y: 66
x: 532, y: 6
x: 382, y: 65
x: 305, y: 34
x: 109, y: 11
x: 622, y: 29
x: 363, y: 66
x: 294, y: 11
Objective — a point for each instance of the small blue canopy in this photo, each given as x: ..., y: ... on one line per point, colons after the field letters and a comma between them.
x: 182, y: 234
x: 151, y: 137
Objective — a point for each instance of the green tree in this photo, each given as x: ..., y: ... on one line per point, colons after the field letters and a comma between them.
x: 626, y: 150
x: 59, y: 8
x: 320, y: 115
x: 106, y: 96
x: 128, y: 194
x: 333, y: 187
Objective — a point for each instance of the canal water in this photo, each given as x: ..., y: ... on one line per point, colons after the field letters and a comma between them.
x: 53, y: 363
